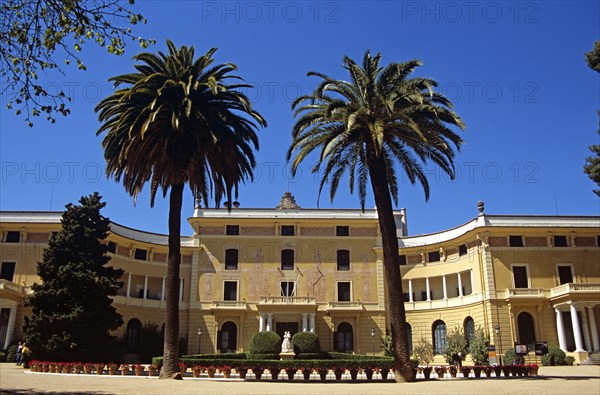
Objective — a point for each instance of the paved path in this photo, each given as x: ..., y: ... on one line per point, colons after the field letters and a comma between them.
x: 552, y: 380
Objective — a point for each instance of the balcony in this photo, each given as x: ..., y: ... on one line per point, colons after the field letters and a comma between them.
x: 141, y: 302
x: 524, y: 293
x: 345, y: 306
x: 443, y: 304
x: 229, y: 305
x: 576, y: 291
x: 287, y: 300
x: 13, y: 289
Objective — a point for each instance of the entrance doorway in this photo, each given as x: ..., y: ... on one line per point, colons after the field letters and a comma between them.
x: 282, y: 327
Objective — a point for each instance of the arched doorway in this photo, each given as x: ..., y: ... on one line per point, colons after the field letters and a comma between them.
x: 343, y: 339
x: 227, y: 337
x: 439, y: 336
x: 133, y: 334
x: 469, y: 331
x: 526, y: 329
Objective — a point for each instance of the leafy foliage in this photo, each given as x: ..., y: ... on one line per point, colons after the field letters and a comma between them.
x: 593, y: 57
x: 592, y: 163
x: 32, y: 31
x: 387, y: 346
x: 151, y: 342
x: 423, y: 351
x: 72, y: 311
x: 511, y: 357
x: 555, y: 357
x: 479, y: 347
x: 455, y: 343
x: 306, y: 342
x: 265, y: 343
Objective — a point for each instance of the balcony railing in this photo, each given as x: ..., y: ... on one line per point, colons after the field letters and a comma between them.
x: 575, y: 288
x: 229, y: 305
x: 141, y: 302
x: 442, y: 304
x: 517, y: 293
x: 287, y: 300
x: 345, y: 306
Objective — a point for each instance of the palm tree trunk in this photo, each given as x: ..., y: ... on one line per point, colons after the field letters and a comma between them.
x: 391, y: 265
x: 171, y: 342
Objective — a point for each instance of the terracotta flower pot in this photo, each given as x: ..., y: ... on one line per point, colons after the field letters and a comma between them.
x: 242, y: 372
x: 385, y: 372
x: 338, y: 373
x: 369, y: 374
x: 353, y: 374
x: 323, y: 374
x: 306, y: 373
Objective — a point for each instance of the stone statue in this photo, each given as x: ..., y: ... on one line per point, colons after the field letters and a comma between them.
x: 286, y: 345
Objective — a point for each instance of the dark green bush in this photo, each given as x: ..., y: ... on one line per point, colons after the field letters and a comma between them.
x: 265, y: 343
x: 557, y: 356
x: 312, y: 355
x: 11, y: 353
x: 239, y: 355
x: 263, y: 356
x: 306, y: 342
x: 2, y: 356
x: 569, y: 360
x: 546, y: 360
x: 512, y: 358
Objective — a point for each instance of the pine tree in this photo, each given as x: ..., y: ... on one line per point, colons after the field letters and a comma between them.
x: 72, y: 310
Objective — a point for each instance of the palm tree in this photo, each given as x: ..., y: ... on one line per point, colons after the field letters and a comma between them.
x: 177, y: 121
x: 367, y: 126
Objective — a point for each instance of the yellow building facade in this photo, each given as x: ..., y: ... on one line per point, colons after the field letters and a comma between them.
x: 523, y: 279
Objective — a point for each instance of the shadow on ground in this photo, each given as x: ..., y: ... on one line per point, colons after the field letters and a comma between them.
x: 9, y: 391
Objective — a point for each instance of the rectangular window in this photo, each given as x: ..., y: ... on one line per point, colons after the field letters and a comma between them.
x: 343, y: 260
x: 287, y: 288
x: 13, y: 237
x: 520, y: 276
x: 462, y: 250
x: 565, y: 274
x: 111, y: 247
x: 342, y: 231
x: 402, y: 259
x: 141, y: 254
x: 560, y: 241
x: 515, y: 241
x: 231, y: 259
x: 232, y: 230
x: 8, y: 271
x: 433, y: 256
x: 230, y: 290
x: 287, y: 230
x: 343, y: 289
x: 287, y: 259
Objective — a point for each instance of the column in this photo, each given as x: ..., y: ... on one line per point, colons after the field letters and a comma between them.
x: 460, y: 292
x: 128, y: 284
x: 304, y: 322
x: 444, y: 287
x: 269, y: 322
x: 586, y: 333
x: 10, y: 330
x: 261, y: 322
x: 427, y: 289
x: 311, y: 322
x: 472, y: 284
x: 560, y: 329
x: 594, y: 329
x: 576, y: 329
x: 162, y: 290
x: 145, y: 287
x: 181, y: 289
x: 410, y: 291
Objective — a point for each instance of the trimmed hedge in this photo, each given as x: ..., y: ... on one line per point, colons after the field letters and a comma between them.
x: 265, y: 343
x: 239, y: 355
x: 306, y: 342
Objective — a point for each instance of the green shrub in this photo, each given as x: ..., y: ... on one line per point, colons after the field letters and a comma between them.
x: 265, y: 343
x: 11, y: 353
x: 312, y: 355
x: 455, y: 343
x: 569, y: 360
x: 2, y: 356
x: 387, y: 346
x: 546, y: 360
x: 263, y: 356
x: 423, y: 351
x: 239, y: 355
x: 479, y: 347
x: 557, y: 356
x: 511, y: 358
x: 306, y: 342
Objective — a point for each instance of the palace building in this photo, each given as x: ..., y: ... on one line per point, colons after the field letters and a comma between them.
x: 524, y: 279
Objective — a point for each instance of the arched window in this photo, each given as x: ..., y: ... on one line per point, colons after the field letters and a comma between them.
x: 409, y: 338
x: 526, y: 330
x: 469, y: 330
x: 132, y: 340
x: 227, y: 337
x: 439, y: 336
x: 343, y: 338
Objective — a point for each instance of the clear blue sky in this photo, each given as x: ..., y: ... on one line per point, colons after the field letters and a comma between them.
x: 515, y: 71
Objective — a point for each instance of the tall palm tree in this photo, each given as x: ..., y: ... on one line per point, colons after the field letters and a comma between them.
x: 367, y: 126
x: 177, y: 121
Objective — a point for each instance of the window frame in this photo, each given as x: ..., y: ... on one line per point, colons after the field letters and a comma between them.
x: 434, y: 254
x: 135, y: 254
x: 2, y: 269
x: 570, y: 265
x: 237, y: 286
x: 342, y: 230
x: 293, y: 254
x: 338, y: 265
x: 228, y: 265
x: 289, y: 294
x: 232, y: 230
x: 287, y: 228
x: 462, y: 252
x: 337, y: 291
x: 8, y: 238
x: 562, y: 238
x: 520, y: 265
x: 517, y: 245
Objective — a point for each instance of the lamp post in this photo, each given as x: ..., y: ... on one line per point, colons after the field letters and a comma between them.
x: 497, y: 330
x: 199, y: 339
x: 373, y: 340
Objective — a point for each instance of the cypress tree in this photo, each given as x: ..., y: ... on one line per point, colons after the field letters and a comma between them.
x: 72, y: 311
